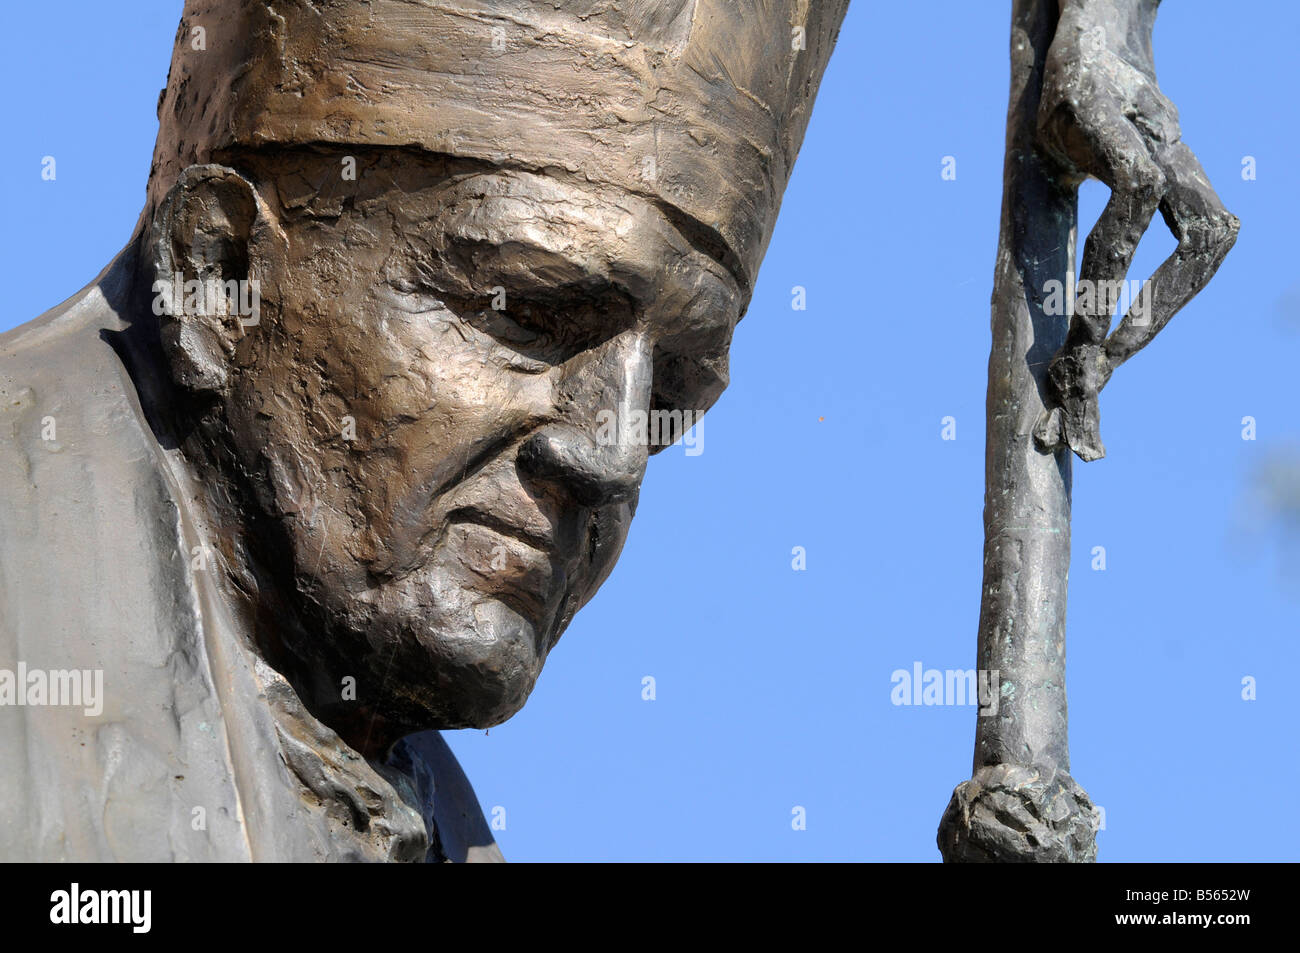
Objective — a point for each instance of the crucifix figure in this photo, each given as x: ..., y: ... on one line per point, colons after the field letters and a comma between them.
x: 1102, y: 115
x: 1084, y: 102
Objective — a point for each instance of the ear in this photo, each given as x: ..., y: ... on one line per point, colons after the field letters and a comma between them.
x: 203, y: 293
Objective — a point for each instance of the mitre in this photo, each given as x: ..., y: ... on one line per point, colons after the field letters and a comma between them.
x: 698, y: 106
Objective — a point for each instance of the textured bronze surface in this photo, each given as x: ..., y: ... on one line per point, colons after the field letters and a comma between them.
x: 467, y: 251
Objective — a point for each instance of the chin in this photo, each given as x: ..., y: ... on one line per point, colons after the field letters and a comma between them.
x: 483, y: 669
x: 426, y: 654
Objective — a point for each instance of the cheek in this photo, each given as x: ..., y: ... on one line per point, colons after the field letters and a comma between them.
x: 371, y: 411
x: 424, y: 392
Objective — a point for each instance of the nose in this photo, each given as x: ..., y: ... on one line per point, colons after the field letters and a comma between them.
x: 587, y: 455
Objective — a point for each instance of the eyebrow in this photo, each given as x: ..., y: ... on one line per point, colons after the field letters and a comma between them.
x: 563, y: 268
x: 708, y: 242
x: 541, y: 268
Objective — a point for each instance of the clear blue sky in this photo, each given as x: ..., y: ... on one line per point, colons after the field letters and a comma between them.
x: 773, y: 686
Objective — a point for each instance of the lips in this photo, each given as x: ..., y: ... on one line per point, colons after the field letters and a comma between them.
x: 512, y: 564
x: 541, y: 541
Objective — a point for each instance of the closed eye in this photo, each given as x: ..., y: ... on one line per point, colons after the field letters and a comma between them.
x: 505, y: 340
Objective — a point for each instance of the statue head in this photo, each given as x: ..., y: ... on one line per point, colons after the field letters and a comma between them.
x: 475, y: 264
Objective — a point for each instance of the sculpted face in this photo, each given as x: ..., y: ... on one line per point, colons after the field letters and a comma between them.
x: 422, y: 410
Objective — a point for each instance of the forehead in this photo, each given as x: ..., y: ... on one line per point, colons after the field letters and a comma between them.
x: 483, y: 227
x: 531, y: 234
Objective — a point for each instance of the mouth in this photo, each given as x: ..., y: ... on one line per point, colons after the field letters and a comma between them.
x: 512, y: 564
x: 542, y: 542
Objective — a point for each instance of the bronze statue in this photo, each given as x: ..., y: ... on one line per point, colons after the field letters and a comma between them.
x: 313, y: 469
